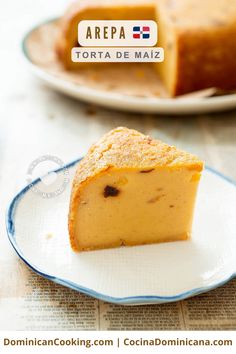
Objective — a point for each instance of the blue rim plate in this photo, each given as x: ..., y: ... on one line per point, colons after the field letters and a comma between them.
x: 125, y: 300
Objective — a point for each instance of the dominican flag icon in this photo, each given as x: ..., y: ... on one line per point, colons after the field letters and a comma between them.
x: 141, y: 32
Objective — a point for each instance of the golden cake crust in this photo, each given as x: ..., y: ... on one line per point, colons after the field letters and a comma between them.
x: 124, y: 148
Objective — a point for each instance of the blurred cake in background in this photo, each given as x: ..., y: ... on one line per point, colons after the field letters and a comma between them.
x: 96, y: 10
x: 198, y: 36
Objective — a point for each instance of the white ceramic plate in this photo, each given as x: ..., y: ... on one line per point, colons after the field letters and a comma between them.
x: 119, y: 101
x: 37, y: 230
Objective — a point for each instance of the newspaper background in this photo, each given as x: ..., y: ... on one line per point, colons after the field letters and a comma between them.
x: 34, y: 121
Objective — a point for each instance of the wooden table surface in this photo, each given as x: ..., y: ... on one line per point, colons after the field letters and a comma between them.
x: 35, y: 120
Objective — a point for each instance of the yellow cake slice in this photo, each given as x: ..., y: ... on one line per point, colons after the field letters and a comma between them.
x: 132, y: 190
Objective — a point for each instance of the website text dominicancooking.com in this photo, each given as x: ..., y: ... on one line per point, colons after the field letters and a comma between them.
x: 118, y: 342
